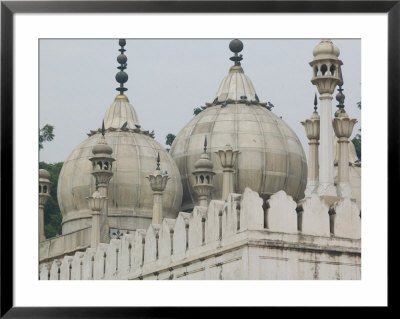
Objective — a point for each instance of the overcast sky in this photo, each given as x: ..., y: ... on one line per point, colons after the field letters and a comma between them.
x: 168, y: 78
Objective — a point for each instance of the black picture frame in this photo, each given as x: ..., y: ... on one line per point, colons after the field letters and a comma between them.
x: 9, y: 8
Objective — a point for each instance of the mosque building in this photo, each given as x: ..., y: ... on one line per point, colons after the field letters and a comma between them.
x: 234, y: 198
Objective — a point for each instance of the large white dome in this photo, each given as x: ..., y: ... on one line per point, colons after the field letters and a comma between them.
x: 130, y: 196
x: 271, y: 156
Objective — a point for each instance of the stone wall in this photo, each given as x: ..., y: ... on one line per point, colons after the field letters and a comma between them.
x: 57, y: 247
x: 232, y: 239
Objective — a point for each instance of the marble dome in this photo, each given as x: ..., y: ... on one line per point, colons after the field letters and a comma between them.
x: 271, y: 156
x: 130, y: 196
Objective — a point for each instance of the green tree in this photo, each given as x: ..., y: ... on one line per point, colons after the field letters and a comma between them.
x: 357, y: 144
x: 45, y: 134
x: 169, y: 139
x: 52, y: 214
x: 357, y: 139
x: 197, y: 110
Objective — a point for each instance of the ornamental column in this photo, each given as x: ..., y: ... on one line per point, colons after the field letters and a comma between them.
x: 204, y: 177
x: 44, y: 195
x: 96, y: 203
x: 312, y: 131
x: 228, y: 158
x: 343, y: 127
x: 102, y: 171
x: 326, y: 68
x: 158, y: 182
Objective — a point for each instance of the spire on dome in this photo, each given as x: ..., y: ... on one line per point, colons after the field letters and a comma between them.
x: 121, y: 76
x: 315, y: 102
x: 236, y: 86
x: 340, y: 96
x: 236, y: 46
x: 158, y: 162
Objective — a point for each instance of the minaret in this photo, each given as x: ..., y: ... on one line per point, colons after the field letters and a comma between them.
x: 204, y: 176
x: 312, y: 131
x: 44, y: 195
x: 343, y: 127
x: 102, y: 171
x: 326, y: 67
x: 96, y: 203
x: 228, y: 159
x: 158, y: 182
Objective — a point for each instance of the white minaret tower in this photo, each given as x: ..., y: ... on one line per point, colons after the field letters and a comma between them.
x: 102, y: 172
x: 44, y: 195
x: 343, y: 127
x: 326, y: 75
x: 158, y: 181
x: 311, y: 126
x: 204, y: 176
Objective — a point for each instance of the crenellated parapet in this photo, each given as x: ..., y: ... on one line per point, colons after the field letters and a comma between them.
x: 226, y: 240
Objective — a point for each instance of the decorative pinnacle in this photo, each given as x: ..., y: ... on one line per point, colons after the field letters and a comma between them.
x: 315, y: 102
x: 236, y: 46
x: 121, y: 76
x: 340, y: 96
x: 103, y: 131
x: 158, y: 162
x: 205, y: 144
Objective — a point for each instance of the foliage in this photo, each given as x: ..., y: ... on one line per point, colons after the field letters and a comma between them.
x: 357, y: 139
x: 169, y: 139
x: 357, y: 144
x: 52, y: 214
x: 197, y: 110
x: 45, y: 134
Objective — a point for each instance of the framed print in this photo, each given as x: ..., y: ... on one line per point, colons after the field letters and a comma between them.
x: 144, y: 175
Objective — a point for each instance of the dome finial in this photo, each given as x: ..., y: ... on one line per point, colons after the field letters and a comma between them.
x: 103, y: 130
x: 340, y: 96
x: 236, y: 46
x: 121, y: 76
x: 158, y: 162
x: 315, y: 102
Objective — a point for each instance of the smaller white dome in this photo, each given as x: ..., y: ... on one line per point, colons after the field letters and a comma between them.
x: 119, y: 113
x: 102, y: 148
x: 326, y: 50
x: 43, y: 174
x: 236, y: 86
x: 203, y: 163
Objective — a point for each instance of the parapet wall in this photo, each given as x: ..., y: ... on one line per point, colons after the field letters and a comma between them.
x: 227, y: 240
x: 57, y: 247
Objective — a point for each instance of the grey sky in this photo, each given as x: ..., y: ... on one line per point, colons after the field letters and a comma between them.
x: 168, y: 78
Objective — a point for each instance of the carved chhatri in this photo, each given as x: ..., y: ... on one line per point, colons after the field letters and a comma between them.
x: 158, y: 181
x: 312, y: 127
x: 204, y: 177
x: 326, y: 75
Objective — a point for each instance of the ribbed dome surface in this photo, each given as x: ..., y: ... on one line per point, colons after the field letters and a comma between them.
x: 271, y: 157
x: 326, y: 49
x: 235, y: 86
x: 119, y: 112
x: 130, y: 197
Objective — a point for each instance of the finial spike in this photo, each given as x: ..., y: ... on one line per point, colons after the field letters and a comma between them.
x: 236, y: 46
x: 121, y: 76
x: 103, y: 131
x: 205, y: 144
x: 315, y: 102
x: 158, y: 161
